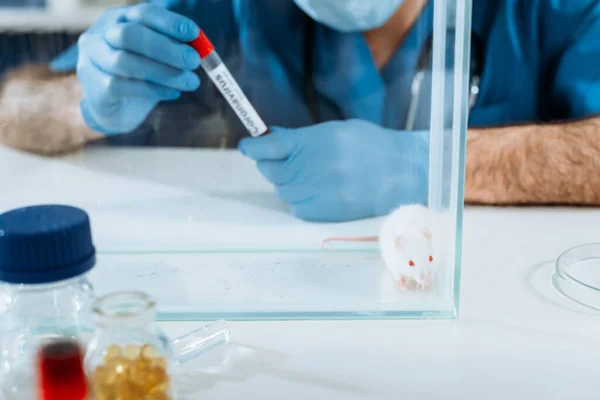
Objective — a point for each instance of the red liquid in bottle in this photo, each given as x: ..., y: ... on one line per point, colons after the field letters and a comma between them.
x: 60, y: 371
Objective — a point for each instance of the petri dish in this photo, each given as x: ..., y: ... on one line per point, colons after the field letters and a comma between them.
x: 577, y: 275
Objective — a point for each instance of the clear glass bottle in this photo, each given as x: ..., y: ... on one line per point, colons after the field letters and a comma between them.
x: 129, y: 357
x: 45, y: 253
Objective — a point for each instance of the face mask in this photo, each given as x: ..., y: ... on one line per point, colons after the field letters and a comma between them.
x: 350, y: 15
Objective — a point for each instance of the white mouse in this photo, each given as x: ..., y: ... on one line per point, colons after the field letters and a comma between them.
x: 407, y: 241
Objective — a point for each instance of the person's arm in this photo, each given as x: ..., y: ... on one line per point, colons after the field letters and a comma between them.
x: 555, y: 163
x: 535, y: 164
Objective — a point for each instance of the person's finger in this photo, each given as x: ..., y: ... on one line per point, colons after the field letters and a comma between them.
x: 279, y: 144
x: 277, y: 172
x: 108, y: 88
x: 123, y: 64
x: 121, y: 88
x: 164, y: 21
x: 137, y: 38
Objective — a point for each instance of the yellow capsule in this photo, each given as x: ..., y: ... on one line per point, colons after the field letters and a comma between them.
x: 112, y: 351
x: 119, y: 370
x: 103, y: 376
x: 99, y: 373
x: 132, y: 351
x: 155, y: 377
x: 102, y: 387
x: 139, y: 371
x: 149, y: 352
x: 160, y: 362
x: 128, y: 391
x: 163, y: 387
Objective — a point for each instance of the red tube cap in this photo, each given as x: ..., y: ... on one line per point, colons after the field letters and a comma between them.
x: 202, y: 45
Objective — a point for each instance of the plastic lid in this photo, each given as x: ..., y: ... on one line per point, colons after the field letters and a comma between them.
x: 203, y: 45
x: 44, y: 244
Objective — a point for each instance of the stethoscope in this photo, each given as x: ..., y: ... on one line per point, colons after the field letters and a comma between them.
x: 423, y: 65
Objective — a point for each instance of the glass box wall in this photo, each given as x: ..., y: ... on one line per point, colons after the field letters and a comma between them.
x: 350, y: 206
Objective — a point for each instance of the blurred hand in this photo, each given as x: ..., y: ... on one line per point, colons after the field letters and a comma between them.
x: 131, y: 59
x: 340, y: 171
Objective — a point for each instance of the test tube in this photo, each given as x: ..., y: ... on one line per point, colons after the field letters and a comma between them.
x: 191, y: 345
x: 227, y: 85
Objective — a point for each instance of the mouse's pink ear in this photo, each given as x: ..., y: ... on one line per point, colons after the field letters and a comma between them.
x: 427, y: 233
x: 399, y: 242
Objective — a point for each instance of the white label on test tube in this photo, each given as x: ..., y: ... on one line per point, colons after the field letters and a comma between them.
x: 229, y: 88
x: 222, y: 78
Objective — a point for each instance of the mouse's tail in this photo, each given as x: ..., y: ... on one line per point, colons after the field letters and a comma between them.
x: 349, y: 239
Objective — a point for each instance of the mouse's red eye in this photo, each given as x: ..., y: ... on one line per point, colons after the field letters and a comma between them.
x: 430, y: 258
x: 411, y: 263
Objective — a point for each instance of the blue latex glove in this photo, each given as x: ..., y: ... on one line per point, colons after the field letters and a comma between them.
x: 66, y: 61
x: 343, y: 170
x: 131, y: 59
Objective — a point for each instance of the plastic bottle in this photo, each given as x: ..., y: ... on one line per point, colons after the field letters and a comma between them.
x: 45, y: 253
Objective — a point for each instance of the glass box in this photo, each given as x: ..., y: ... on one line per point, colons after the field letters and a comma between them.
x: 109, y: 120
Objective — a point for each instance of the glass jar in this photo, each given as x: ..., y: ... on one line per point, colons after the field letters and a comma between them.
x: 45, y: 253
x: 129, y: 357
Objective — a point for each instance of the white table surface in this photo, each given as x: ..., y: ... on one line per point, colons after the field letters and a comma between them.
x: 516, y: 337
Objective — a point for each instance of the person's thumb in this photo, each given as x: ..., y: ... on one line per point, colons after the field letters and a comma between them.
x: 278, y: 144
x: 66, y: 61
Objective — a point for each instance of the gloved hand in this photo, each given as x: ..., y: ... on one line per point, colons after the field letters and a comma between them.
x: 343, y: 170
x: 131, y: 59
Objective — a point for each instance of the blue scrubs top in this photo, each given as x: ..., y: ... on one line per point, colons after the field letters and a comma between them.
x: 541, y: 62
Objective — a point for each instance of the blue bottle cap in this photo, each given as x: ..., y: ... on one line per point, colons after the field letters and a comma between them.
x: 44, y: 244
